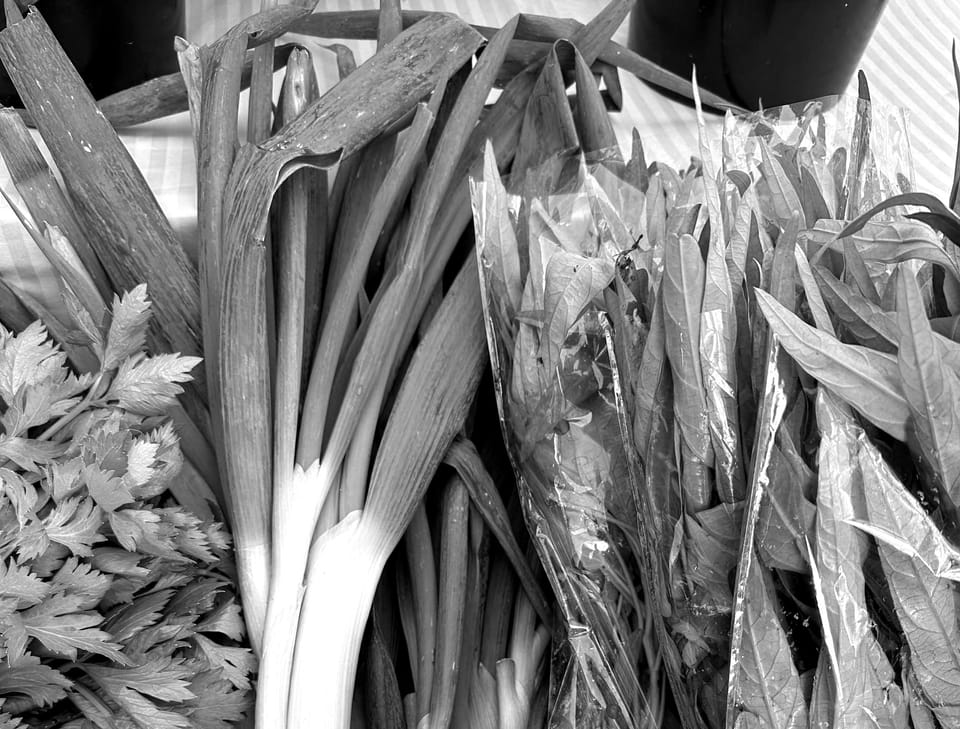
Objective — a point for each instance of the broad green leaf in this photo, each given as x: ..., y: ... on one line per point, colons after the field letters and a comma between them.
x: 786, y: 516
x: 932, y: 390
x: 866, y: 379
x: 653, y: 363
x: 874, y: 327
x: 837, y: 168
x: 810, y: 289
x: 948, y: 327
x: 656, y: 211
x: 683, y: 282
x: 736, y: 254
x: 855, y: 269
x: 887, y: 243
x: 711, y: 541
x: 636, y: 172
x: 865, y: 676
x: 924, y: 603
x: 572, y: 282
x: 920, y: 713
x: 718, y: 337
x: 814, y: 206
x: 773, y: 402
x: 866, y: 322
x: 782, y: 192
x: 770, y: 688
x: 496, y: 239
x: 943, y: 219
x: 823, y: 696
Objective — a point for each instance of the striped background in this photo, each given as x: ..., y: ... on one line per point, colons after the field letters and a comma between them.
x: 907, y: 63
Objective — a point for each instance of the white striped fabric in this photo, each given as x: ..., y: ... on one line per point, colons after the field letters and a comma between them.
x: 907, y: 63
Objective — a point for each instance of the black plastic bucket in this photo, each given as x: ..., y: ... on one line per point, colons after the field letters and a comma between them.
x: 758, y: 52
x: 114, y: 44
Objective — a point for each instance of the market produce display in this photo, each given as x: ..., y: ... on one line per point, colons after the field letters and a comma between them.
x: 644, y: 447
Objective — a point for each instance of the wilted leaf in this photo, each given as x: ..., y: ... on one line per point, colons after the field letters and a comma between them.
x: 866, y: 379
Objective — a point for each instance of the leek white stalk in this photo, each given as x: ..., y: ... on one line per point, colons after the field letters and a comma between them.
x: 430, y: 408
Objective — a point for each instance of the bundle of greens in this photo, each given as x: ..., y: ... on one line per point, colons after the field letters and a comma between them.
x: 547, y: 253
x: 793, y: 404
x: 117, y: 604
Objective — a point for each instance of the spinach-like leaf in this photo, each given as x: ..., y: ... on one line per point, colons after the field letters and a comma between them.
x: 932, y: 390
x: 499, y: 251
x: 773, y: 402
x: 925, y: 603
x: 866, y: 322
x: 920, y: 713
x: 887, y: 243
x: 855, y: 268
x: 865, y: 678
x: 656, y: 211
x: 572, y: 282
x: 782, y: 193
x: 683, y: 282
x: 786, y: 516
x: 718, y: 336
x: 711, y: 541
x: 653, y: 362
x: 941, y: 218
x: 948, y: 327
x: 737, y: 245
x: 866, y: 379
x: 770, y: 688
x: 814, y: 206
x: 876, y: 328
x: 837, y: 168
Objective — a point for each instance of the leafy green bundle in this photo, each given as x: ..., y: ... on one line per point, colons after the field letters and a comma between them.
x: 795, y: 417
x: 117, y: 605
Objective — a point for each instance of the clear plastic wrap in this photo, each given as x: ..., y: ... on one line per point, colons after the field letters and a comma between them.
x: 627, y: 300
x: 547, y: 256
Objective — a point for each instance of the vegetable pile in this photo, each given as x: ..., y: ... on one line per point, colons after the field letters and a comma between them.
x: 731, y: 413
x: 116, y: 603
x: 337, y: 306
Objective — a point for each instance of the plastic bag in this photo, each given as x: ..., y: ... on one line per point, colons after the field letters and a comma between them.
x: 640, y: 294
x: 547, y: 256
x: 731, y: 433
